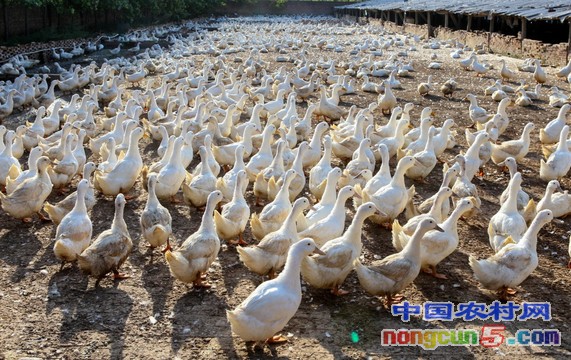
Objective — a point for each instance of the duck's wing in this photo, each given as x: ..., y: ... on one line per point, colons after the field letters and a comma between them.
x: 394, y: 266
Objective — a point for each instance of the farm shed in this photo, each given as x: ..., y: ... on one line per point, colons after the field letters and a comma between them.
x: 527, y: 28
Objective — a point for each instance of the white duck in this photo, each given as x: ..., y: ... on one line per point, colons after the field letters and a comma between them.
x: 193, y: 258
x: 330, y: 270
x: 197, y: 188
x: 550, y: 134
x: 318, y: 174
x: 272, y: 304
x: 232, y: 221
x: 507, y: 221
x: 559, y: 162
x: 513, y: 263
x: 73, y: 233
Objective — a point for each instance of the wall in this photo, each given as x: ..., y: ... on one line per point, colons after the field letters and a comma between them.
x: 549, y: 54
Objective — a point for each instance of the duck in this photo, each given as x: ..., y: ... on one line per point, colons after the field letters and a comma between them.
x: 505, y: 72
x: 550, y: 134
x: 443, y: 194
x: 436, y: 245
x: 232, y: 220
x: 12, y: 183
x: 448, y: 88
x: 507, y: 221
x: 272, y: 304
x: 395, y: 143
x: 390, y: 128
x: 65, y: 169
x: 359, y: 163
x: 111, y: 248
x: 57, y: 211
x: 330, y: 270
x: 472, y: 161
x: 298, y: 182
x: 517, y: 149
x: 557, y: 98
x: 392, y: 274
x: 210, y: 159
x: 501, y: 118
x: 274, y: 171
x: 392, y: 198
x: 225, y: 155
x: 333, y: 224
x: 425, y: 160
x: 523, y: 100
x: 313, y: 153
x: 227, y: 183
x: 514, y: 262
x: 171, y: 176
x: 425, y: 87
x: 539, y: 74
x: 559, y: 203
x: 73, y: 233
x: 9, y: 165
x: 269, y: 255
x: 197, y: 188
x: 328, y: 109
x: 263, y: 158
x: 476, y: 113
x: 274, y: 213
x: 559, y: 162
x: 326, y: 203
x: 29, y: 196
x: 318, y: 173
x: 387, y: 101
x: 155, y: 220
x: 126, y: 172
x: 523, y: 199
x: 374, y: 183
x: 441, y: 140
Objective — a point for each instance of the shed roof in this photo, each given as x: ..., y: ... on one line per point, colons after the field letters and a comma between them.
x: 529, y: 9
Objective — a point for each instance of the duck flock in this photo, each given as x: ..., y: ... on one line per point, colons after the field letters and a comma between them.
x: 253, y: 116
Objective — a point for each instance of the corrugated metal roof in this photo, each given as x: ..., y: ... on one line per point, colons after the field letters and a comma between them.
x: 530, y: 9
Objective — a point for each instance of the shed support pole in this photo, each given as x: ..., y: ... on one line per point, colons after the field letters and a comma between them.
x: 469, y: 27
x: 416, y: 18
x: 429, y: 24
x: 446, y: 20
x: 491, y: 30
x: 568, y: 42
x: 523, y: 28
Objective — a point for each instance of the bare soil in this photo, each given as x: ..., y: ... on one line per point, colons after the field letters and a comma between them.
x: 51, y: 314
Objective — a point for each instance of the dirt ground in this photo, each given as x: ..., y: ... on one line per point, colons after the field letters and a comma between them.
x: 51, y: 314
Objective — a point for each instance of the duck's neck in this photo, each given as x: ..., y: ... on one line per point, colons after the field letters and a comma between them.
x: 266, y: 148
x: 207, y: 224
x: 354, y: 231
x: 290, y: 224
x: 118, y: 220
x: 133, y: 150
x: 289, y: 277
x: 398, y: 178
x: 412, y: 248
x: 529, y: 239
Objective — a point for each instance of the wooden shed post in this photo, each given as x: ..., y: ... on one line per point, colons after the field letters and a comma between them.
x: 469, y: 26
x: 429, y: 24
x: 491, y: 30
x: 523, y: 28
x: 568, y: 41
x: 446, y: 20
x: 416, y: 18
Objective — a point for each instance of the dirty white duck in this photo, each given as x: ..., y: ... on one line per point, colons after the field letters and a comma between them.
x: 318, y: 173
x: 193, y: 258
x: 517, y: 149
x: 272, y: 304
x: 327, y: 201
x: 227, y: 183
x: 514, y: 262
x: 523, y: 199
x: 392, y: 274
x: 330, y: 270
x: 155, y: 220
x: 374, y: 183
x: 269, y: 255
x: 111, y: 248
